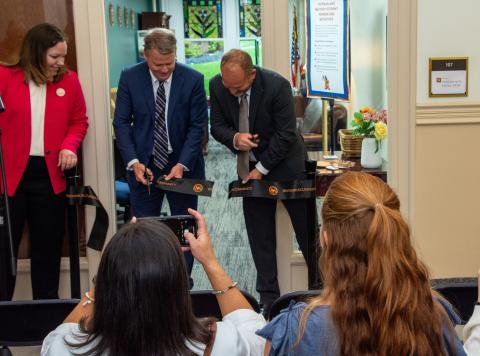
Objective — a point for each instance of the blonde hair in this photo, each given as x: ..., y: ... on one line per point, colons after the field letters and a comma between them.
x: 161, y: 40
x: 379, y: 291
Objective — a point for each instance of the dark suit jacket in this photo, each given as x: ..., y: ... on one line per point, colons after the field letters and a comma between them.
x: 186, y: 119
x: 271, y: 116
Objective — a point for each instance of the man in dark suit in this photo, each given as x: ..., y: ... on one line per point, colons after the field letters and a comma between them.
x: 160, y: 116
x: 272, y: 147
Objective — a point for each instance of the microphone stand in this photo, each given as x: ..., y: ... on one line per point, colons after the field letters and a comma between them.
x: 7, y: 222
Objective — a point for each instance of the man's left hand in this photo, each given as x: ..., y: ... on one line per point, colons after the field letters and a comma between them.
x: 176, y: 172
x: 254, y: 174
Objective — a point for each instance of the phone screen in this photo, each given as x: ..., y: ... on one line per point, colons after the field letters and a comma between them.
x: 179, y: 224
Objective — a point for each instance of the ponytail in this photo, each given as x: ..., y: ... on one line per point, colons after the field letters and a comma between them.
x: 378, y: 289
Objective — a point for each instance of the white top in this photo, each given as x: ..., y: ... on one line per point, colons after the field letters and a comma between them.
x: 235, y: 336
x: 38, y: 99
x: 471, y: 333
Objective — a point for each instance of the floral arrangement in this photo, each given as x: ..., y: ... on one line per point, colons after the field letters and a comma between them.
x: 370, y: 123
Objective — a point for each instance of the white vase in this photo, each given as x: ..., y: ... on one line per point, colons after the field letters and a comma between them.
x: 370, y: 158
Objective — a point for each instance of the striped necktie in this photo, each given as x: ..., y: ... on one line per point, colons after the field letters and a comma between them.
x: 160, y: 138
x: 242, y: 156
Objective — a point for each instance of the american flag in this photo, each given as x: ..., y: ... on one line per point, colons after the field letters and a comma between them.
x: 295, y: 54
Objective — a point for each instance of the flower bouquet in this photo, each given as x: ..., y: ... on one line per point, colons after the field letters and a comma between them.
x: 370, y: 124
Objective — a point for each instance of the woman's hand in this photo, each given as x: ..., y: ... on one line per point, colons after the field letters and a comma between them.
x: 201, y: 247
x: 66, y: 159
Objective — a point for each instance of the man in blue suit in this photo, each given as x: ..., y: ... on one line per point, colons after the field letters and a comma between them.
x: 160, y: 118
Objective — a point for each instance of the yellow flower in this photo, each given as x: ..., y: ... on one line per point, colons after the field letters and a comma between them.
x: 381, y: 130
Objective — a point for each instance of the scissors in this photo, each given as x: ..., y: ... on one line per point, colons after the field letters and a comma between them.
x: 148, y: 180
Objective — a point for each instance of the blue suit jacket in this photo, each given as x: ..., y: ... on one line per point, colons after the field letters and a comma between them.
x: 186, y: 119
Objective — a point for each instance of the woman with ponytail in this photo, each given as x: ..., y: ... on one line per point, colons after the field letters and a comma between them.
x: 377, y: 298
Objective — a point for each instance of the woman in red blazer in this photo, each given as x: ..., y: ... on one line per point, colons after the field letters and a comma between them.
x: 42, y: 127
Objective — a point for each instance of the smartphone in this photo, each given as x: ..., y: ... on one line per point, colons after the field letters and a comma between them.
x: 178, y: 224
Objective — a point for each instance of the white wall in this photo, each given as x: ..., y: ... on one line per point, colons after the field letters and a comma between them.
x: 448, y: 29
x: 368, y: 47
x: 445, y: 209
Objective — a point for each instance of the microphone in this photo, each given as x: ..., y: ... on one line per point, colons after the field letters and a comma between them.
x: 2, y: 107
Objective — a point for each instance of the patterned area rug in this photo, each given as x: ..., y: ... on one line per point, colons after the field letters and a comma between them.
x: 225, y: 223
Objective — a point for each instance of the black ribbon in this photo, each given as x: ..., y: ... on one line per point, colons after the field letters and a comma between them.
x: 187, y: 186
x: 84, y: 195
x: 296, y: 189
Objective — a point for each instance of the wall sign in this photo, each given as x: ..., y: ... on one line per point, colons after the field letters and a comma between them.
x: 448, y: 76
x: 328, y: 50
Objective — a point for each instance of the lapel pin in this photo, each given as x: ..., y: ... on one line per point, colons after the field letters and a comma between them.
x: 60, y: 92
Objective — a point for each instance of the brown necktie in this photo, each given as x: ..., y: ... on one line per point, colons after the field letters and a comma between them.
x: 242, y: 156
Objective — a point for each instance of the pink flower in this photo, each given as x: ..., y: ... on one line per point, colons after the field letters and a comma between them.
x: 384, y: 116
x: 377, y: 117
x: 367, y: 116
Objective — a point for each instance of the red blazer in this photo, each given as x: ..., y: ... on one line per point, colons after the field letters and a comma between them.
x: 65, y: 125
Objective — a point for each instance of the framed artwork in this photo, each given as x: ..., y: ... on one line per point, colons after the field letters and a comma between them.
x: 132, y: 18
x: 203, y: 19
x: 119, y: 16
x: 126, y: 17
x: 250, y: 18
x: 111, y: 14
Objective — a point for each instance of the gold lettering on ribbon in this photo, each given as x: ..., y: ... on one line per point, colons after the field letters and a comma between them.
x: 241, y: 189
x: 294, y: 190
x: 166, y: 183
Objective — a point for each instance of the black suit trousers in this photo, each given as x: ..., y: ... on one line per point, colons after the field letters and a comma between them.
x: 35, y: 202
x: 259, y: 216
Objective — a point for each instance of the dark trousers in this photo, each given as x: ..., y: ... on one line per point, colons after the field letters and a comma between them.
x: 259, y: 216
x: 144, y: 204
x: 36, y: 204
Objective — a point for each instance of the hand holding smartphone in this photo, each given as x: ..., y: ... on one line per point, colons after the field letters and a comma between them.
x: 178, y: 224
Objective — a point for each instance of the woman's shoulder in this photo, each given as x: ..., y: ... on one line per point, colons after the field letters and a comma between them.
x: 292, y: 315
x: 235, y: 334
x: 69, y: 76
x: 55, y: 344
x: 319, y: 333
x: 10, y: 71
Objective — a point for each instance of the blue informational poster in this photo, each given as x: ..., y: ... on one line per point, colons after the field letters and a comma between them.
x: 328, y: 52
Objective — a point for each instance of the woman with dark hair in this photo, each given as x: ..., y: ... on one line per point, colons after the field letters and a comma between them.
x: 377, y: 298
x: 42, y: 127
x: 142, y: 305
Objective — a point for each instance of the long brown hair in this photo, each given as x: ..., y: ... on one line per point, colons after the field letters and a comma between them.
x: 142, y: 300
x: 33, y: 53
x: 379, y: 291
